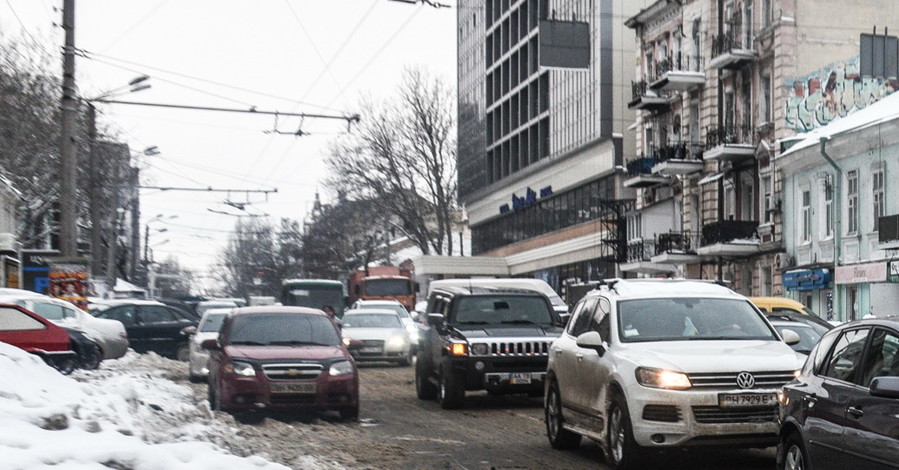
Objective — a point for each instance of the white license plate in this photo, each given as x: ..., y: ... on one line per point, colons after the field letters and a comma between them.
x: 520, y: 378
x: 746, y: 400
x: 370, y: 350
x: 306, y: 387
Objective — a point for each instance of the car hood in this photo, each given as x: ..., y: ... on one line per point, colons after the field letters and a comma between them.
x: 199, y: 337
x: 512, y: 332
x: 712, y: 356
x: 373, y: 333
x: 284, y: 352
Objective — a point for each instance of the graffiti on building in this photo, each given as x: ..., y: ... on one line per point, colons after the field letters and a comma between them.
x: 831, y: 93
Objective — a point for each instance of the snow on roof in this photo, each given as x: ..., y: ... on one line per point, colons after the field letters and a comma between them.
x: 881, y: 111
x: 641, y: 288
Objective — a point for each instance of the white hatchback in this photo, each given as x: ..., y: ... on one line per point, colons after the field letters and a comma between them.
x: 208, y: 328
x: 651, y: 364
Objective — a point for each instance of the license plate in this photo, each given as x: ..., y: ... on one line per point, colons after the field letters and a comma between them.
x: 747, y: 400
x: 307, y: 387
x: 370, y: 350
x: 520, y: 378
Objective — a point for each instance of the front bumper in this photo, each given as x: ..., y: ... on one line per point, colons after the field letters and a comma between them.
x: 667, y: 418
x: 502, y: 375
x: 255, y: 393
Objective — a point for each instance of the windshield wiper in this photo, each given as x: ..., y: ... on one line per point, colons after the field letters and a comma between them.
x: 474, y: 322
x: 296, y: 343
x: 519, y: 322
x: 249, y: 343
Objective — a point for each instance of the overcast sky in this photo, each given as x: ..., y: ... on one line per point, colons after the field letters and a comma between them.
x: 309, y: 56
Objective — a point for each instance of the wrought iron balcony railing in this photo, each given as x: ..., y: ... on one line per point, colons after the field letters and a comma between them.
x: 728, y: 134
x: 726, y: 231
x: 640, y: 251
x: 677, y: 242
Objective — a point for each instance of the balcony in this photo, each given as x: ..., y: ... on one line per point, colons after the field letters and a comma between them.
x: 678, y: 73
x: 729, y: 144
x: 640, y: 175
x: 645, y: 98
x: 638, y: 259
x: 680, y: 158
x: 729, y: 51
x: 729, y: 238
x: 677, y: 248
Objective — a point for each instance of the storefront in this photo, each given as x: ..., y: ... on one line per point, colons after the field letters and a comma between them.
x: 867, y: 289
x: 812, y: 287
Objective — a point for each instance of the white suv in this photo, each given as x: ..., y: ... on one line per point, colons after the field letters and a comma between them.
x: 659, y: 363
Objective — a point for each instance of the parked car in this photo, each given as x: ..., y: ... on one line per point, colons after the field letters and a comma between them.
x: 382, y: 333
x: 109, y: 335
x: 672, y: 363
x: 790, y: 308
x: 37, y: 335
x: 408, y: 318
x: 483, y: 338
x: 281, y: 358
x: 808, y: 336
x: 152, y: 326
x: 205, y: 305
x: 208, y: 328
x: 840, y: 412
x: 818, y: 324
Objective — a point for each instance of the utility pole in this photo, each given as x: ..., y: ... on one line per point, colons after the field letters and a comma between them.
x: 68, y: 196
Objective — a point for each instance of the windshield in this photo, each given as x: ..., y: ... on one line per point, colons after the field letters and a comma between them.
x: 385, y: 287
x: 213, y: 322
x: 682, y: 319
x: 283, y: 329
x: 399, y: 309
x: 505, y: 309
x: 314, y: 296
x: 807, y: 337
x: 363, y: 320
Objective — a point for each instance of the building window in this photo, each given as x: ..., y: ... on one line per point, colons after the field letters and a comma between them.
x: 635, y: 227
x: 827, y: 226
x: 766, y: 13
x: 877, y: 189
x: 852, y: 201
x: 806, y: 217
x: 765, y: 109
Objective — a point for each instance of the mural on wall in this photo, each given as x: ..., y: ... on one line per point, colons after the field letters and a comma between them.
x: 830, y: 93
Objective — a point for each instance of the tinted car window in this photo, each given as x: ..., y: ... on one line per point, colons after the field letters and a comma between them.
x: 820, y: 354
x: 497, y: 309
x: 582, y: 322
x: 847, y: 355
x: 681, y: 319
x: 125, y: 314
x: 362, y: 320
x: 49, y: 311
x: 882, y: 359
x: 156, y: 314
x: 266, y: 329
x: 213, y: 322
x: 575, y: 312
x: 808, y: 337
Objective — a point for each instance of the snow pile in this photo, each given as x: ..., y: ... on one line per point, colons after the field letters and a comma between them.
x: 112, y: 419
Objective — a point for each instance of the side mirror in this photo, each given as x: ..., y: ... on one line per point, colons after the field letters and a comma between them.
x: 592, y: 340
x: 564, y: 317
x: 435, y: 319
x: 790, y: 337
x: 886, y: 387
x: 189, y: 330
x: 211, y: 345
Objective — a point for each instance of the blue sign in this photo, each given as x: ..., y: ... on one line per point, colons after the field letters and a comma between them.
x: 529, y: 199
x: 809, y: 279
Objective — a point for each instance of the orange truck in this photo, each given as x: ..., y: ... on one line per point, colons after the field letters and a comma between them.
x: 382, y: 283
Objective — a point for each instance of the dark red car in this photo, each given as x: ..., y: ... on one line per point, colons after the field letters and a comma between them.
x: 37, y: 335
x: 281, y: 359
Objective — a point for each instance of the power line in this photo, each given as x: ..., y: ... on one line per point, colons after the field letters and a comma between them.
x: 134, y: 26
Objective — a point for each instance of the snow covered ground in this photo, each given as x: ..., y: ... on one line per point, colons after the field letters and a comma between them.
x: 127, y: 415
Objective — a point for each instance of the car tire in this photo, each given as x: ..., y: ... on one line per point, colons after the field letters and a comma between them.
x: 451, y: 392
x: 66, y: 365
x: 91, y: 359
x: 424, y: 389
x: 349, y: 413
x: 183, y: 353
x: 623, y: 451
x: 559, y: 437
x: 792, y: 454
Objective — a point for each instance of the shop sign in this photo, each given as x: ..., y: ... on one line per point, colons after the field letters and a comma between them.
x: 529, y: 199
x: 861, y: 273
x: 807, y: 279
x: 894, y: 271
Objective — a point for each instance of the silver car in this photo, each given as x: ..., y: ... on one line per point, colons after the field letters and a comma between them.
x: 382, y: 333
x: 208, y: 328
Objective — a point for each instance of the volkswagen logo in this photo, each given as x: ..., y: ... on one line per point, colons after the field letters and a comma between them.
x: 745, y: 380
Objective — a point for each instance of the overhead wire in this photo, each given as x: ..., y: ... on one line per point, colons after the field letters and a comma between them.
x: 134, y: 26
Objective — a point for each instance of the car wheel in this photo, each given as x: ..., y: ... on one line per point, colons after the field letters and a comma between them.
x: 450, y: 393
x: 624, y: 453
x: 66, y: 365
x: 424, y: 389
x: 183, y: 353
x: 559, y: 437
x: 90, y: 359
x: 349, y: 413
x: 793, y: 455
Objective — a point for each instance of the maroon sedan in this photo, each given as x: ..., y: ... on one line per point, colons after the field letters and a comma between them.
x: 281, y: 359
x: 37, y: 335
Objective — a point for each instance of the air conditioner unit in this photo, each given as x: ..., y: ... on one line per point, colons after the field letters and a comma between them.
x: 782, y: 260
x: 8, y: 242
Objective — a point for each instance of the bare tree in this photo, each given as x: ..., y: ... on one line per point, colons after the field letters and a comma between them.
x: 258, y: 258
x: 402, y: 158
x: 341, y: 237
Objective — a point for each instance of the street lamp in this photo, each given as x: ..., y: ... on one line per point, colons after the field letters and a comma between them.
x: 157, y: 218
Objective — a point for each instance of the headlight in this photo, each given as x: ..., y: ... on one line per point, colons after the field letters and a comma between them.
x: 240, y: 368
x: 480, y: 349
x: 659, y: 378
x: 347, y: 341
x: 341, y: 368
x: 396, y: 342
x: 458, y: 349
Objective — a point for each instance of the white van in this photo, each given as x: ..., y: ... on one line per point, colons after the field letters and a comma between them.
x: 538, y: 285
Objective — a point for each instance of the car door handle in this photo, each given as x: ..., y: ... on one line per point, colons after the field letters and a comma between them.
x: 579, y: 356
x: 855, y: 412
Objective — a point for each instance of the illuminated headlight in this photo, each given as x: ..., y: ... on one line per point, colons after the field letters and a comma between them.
x: 240, y: 368
x: 479, y: 349
x: 659, y: 378
x: 396, y: 342
x: 347, y: 341
x: 341, y: 368
x: 458, y: 349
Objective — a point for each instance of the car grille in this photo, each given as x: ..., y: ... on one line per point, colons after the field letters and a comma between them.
x: 729, y: 380
x: 718, y: 415
x: 292, y: 371
x: 519, y: 348
x: 664, y: 413
x: 373, y: 343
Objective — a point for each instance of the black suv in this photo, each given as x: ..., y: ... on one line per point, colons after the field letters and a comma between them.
x: 481, y: 338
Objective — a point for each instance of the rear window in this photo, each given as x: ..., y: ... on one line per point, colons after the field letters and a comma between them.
x: 283, y: 329
x: 687, y: 319
x: 502, y: 309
